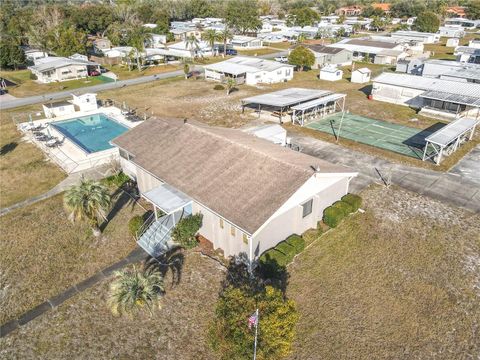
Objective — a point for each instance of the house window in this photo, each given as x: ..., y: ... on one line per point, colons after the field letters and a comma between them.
x: 287, y: 72
x: 232, y: 231
x: 307, y: 208
x: 245, y: 239
x: 221, y: 223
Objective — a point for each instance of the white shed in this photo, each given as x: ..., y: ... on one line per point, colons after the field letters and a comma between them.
x: 452, y: 42
x: 59, y: 108
x: 85, y: 102
x: 361, y: 76
x: 330, y: 73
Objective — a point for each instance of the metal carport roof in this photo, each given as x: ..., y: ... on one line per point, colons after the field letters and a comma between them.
x: 454, y: 98
x: 452, y: 131
x: 286, y: 97
x: 317, y: 102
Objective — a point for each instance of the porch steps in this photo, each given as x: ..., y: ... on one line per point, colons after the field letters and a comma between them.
x: 156, y: 240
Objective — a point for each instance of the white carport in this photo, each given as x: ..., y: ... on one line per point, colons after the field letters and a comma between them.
x: 447, y: 140
x: 318, y: 108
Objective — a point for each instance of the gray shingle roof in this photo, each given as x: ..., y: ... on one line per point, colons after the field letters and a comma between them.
x: 239, y: 176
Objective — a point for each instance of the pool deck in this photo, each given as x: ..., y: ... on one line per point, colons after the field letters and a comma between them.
x: 68, y: 155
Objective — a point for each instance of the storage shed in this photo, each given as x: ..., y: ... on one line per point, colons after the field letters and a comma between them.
x: 361, y: 76
x: 330, y: 73
x: 59, y: 108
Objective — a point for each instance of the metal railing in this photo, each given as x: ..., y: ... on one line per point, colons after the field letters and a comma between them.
x: 144, y: 226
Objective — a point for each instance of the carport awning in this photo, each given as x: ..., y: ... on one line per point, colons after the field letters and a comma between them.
x: 453, y: 98
x: 452, y: 131
x: 317, y: 102
x: 167, y: 198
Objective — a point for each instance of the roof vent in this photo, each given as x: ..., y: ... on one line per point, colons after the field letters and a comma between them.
x: 316, y: 168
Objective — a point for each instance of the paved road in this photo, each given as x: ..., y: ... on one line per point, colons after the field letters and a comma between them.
x: 17, y: 102
x: 95, y: 88
x: 459, y: 189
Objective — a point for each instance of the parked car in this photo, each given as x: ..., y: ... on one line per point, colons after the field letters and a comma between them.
x: 194, y: 74
x: 94, y: 73
x: 232, y: 52
x: 282, y: 59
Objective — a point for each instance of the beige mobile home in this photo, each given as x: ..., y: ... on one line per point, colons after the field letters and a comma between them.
x: 252, y: 193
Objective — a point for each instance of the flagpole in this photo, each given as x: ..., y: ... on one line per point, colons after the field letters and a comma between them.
x: 256, y: 332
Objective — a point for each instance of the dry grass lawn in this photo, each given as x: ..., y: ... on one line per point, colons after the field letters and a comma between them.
x: 24, y: 169
x: 84, y: 328
x: 258, y: 52
x: 42, y: 253
x: 122, y: 71
x: 401, y: 281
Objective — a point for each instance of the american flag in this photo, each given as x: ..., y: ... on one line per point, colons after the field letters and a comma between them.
x: 253, y: 320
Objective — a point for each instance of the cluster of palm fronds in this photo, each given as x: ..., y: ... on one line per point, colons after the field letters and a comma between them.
x: 135, y: 290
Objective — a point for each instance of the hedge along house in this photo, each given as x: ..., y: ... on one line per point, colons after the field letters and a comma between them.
x: 252, y: 193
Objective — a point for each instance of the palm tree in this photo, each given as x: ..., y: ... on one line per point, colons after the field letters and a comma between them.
x: 192, y: 44
x: 186, y: 70
x: 89, y: 200
x: 301, y: 38
x: 211, y: 37
x: 225, y: 36
x: 134, y: 290
x: 138, y: 36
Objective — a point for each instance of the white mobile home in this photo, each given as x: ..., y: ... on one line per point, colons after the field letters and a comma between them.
x: 423, y: 37
x: 246, y: 42
x: 51, y: 69
x: 435, y: 97
x: 249, y: 70
x: 184, y: 167
x: 451, y: 31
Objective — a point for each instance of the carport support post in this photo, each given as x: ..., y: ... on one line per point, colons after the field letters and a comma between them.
x: 440, y: 155
x: 259, y: 109
x: 155, y: 211
x: 471, y: 133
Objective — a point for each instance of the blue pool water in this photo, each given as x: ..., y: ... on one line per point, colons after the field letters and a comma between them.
x: 92, y: 133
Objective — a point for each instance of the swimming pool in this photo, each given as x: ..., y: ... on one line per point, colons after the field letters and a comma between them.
x: 92, y: 133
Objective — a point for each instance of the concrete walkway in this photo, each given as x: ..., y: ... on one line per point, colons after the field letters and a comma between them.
x: 457, y: 188
x: 135, y: 256
x: 72, y: 179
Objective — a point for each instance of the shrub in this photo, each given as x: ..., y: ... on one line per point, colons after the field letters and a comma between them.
x: 346, y: 208
x: 332, y: 216
x: 117, y: 180
x: 185, y: 231
x: 354, y: 200
x: 135, y: 224
x: 273, y: 255
x: 219, y: 87
x: 286, y: 249
x: 33, y: 76
x: 297, y: 242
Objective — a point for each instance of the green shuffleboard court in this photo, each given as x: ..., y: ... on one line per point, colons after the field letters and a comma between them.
x: 397, y: 138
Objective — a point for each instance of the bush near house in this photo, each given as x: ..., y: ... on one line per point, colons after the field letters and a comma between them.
x: 219, y: 87
x: 332, y: 216
x: 297, y: 242
x: 343, y: 206
x: 186, y: 230
x: 354, y: 200
x: 135, y: 224
x: 286, y: 249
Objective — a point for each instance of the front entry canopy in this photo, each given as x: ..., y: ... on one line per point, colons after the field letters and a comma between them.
x: 167, y: 198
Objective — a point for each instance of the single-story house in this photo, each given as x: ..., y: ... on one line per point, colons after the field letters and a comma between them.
x: 246, y: 42
x: 101, y: 44
x: 52, y: 69
x: 378, y: 52
x: 353, y: 10
x: 467, y: 54
x: 435, y: 97
x: 119, y: 51
x: 451, y: 31
x: 410, y: 66
x: 249, y: 70
x: 58, y: 108
x: 437, y: 68
x: 423, y: 37
x: 466, y: 23
x: 183, y: 33
x: 361, y: 75
x: 185, y: 50
x: 35, y: 54
x: 474, y: 43
x: 326, y: 55
x: 252, y: 194
x: 330, y: 73
x: 78, y: 56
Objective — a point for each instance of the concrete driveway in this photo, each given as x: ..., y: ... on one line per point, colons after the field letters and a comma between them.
x: 458, y: 188
x: 469, y: 166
